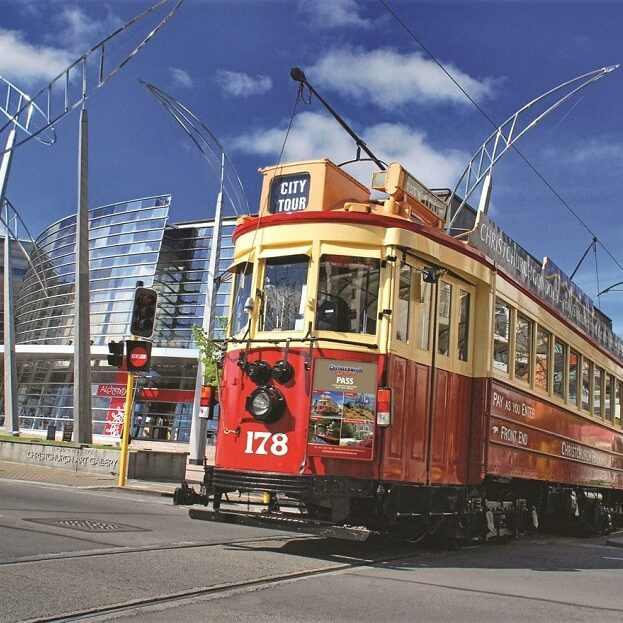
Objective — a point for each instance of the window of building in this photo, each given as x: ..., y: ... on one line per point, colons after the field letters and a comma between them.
x: 523, y: 348
x: 444, y: 318
x: 560, y: 368
x: 500, y: 335
x: 541, y: 360
x: 463, y: 330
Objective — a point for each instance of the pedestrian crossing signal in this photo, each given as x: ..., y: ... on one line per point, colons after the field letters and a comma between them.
x: 144, y: 312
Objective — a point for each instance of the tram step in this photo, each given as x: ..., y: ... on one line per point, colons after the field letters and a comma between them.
x: 282, y: 522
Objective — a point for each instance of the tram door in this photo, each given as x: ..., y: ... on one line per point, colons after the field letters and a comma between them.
x: 429, y: 369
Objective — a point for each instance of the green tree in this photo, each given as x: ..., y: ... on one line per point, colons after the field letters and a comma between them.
x: 209, y: 355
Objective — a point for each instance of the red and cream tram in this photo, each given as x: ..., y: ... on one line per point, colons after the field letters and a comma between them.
x: 382, y: 374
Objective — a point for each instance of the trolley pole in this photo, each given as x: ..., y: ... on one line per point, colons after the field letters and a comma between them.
x: 127, y: 422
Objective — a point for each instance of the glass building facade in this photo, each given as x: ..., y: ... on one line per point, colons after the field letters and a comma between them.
x: 129, y: 242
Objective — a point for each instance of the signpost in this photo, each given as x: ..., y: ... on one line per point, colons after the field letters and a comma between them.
x: 137, y: 360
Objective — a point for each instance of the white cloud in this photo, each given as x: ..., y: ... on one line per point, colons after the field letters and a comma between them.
x: 334, y: 13
x: 180, y: 77
x: 390, y: 79
x: 72, y: 33
x: 590, y: 151
x: 238, y: 84
x: 409, y: 146
x: 27, y: 64
x: 79, y: 32
x: 317, y: 136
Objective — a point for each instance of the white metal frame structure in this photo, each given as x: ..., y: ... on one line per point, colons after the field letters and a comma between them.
x: 15, y: 99
x: 500, y: 141
x: 70, y: 89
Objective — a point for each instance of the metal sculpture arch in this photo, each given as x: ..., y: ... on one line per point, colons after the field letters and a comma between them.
x: 26, y: 113
x: 210, y: 148
x: 12, y: 222
x: 72, y: 87
x: 500, y: 141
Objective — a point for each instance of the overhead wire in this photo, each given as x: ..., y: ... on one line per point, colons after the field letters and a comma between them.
x: 556, y: 194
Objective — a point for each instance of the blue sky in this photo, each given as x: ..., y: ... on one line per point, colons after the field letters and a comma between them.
x: 228, y: 61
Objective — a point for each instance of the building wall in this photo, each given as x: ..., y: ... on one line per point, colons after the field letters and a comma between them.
x: 129, y: 242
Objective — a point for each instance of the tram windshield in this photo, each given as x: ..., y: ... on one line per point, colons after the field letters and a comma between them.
x: 242, y: 291
x: 284, y: 293
x: 347, y: 297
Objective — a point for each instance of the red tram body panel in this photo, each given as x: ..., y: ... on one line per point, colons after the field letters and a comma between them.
x: 531, y: 439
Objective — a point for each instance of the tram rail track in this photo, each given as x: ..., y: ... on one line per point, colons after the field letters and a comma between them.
x: 115, y: 551
x: 219, y: 590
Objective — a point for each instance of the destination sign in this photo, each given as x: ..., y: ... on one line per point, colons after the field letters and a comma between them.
x: 289, y: 193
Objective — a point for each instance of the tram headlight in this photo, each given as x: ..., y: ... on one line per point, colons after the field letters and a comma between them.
x: 258, y: 371
x: 282, y: 371
x: 266, y: 403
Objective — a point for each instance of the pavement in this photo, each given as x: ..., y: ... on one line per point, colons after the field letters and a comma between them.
x: 68, y: 478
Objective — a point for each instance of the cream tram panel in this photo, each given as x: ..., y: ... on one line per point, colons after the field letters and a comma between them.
x: 329, y: 186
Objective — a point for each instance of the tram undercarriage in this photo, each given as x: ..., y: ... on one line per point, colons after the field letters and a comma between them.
x: 354, y: 508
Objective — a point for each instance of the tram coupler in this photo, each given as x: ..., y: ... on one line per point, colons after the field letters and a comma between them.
x: 186, y: 495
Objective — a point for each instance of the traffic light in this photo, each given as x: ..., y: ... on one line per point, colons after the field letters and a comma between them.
x: 116, y: 354
x: 144, y: 312
x: 138, y: 355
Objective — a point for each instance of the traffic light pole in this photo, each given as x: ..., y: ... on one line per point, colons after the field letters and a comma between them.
x: 127, y: 423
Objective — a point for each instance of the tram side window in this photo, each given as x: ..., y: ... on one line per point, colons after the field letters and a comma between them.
x: 242, y: 291
x: 443, y: 329
x: 500, y: 335
x: 597, y: 391
x: 348, y: 291
x: 608, y: 402
x: 574, y: 360
x: 404, y: 303
x: 617, y: 403
x: 463, y: 333
x: 541, y: 361
x: 423, y: 327
x: 586, y: 384
x: 523, y: 348
x: 560, y: 368
x: 284, y: 293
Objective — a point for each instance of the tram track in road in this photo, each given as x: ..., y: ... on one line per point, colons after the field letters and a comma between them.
x: 179, y: 598
x: 116, y: 551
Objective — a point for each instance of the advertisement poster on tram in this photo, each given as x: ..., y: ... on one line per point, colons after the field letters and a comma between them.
x: 343, y: 407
